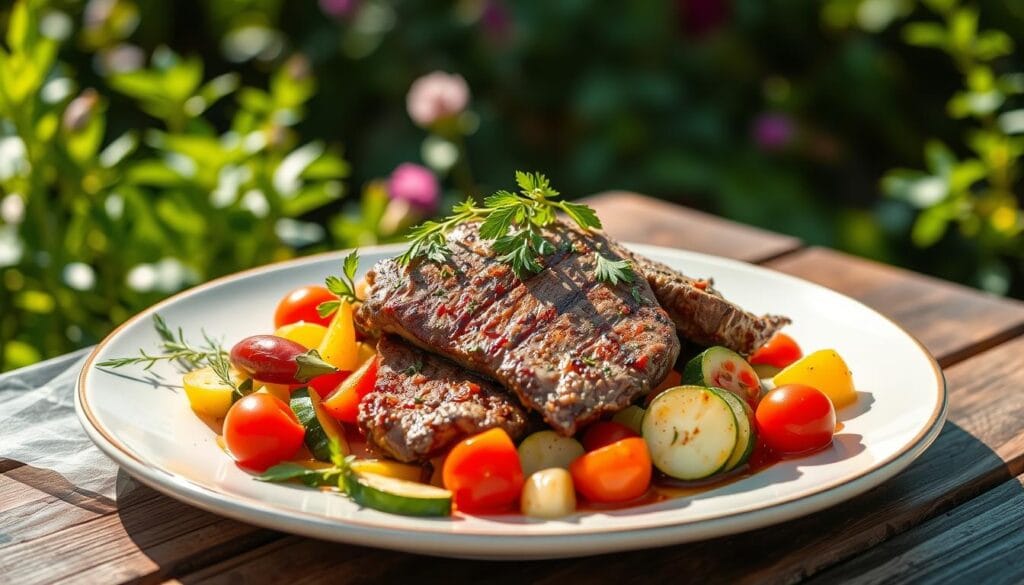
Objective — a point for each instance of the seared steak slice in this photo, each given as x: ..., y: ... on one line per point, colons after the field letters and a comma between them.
x: 422, y: 404
x: 701, y: 313
x: 570, y: 347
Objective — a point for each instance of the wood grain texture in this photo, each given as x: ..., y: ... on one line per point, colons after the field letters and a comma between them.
x: 153, y: 536
x: 981, y: 446
x: 978, y: 542
x: 636, y: 218
x: 952, y: 321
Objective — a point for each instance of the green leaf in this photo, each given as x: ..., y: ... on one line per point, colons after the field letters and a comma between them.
x: 612, y: 271
x: 327, y: 308
x: 925, y: 34
x: 217, y: 88
x: 583, y: 215
x: 966, y: 174
x: 992, y: 44
x: 19, y: 27
x: 499, y: 220
x: 310, y: 365
x: 963, y: 26
x: 930, y: 226
x: 119, y: 149
x: 938, y: 158
x: 284, y: 472
x: 351, y: 264
x: 502, y: 199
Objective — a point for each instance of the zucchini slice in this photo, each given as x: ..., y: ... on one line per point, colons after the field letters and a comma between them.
x: 321, y: 429
x: 721, y: 367
x: 746, y: 436
x: 691, y: 432
x: 398, y: 496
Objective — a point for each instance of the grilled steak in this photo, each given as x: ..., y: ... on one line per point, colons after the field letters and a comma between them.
x: 700, y: 312
x: 422, y: 404
x: 569, y: 346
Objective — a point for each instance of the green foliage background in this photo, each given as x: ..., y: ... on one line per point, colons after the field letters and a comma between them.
x: 148, y: 145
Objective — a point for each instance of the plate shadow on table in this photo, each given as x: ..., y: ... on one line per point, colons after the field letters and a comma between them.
x: 902, y: 502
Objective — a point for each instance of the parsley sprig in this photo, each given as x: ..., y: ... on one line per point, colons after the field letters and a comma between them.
x: 514, y: 222
x: 343, y: 286
x: 175, y: 348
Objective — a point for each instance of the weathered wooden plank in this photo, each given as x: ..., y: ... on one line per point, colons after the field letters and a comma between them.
x: 981, y: 446
x: 952, y: 321
x: 152, y: 537
x: 978, y: 542
x: 636, y: 218
x: 37, y: 502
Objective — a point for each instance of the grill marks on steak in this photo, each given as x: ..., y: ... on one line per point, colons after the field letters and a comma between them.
x: 701, y: 313
x: 421, y: 404
x: 570, y: 347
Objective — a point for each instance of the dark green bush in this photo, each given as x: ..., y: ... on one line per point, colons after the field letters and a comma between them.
x: 129, y: 170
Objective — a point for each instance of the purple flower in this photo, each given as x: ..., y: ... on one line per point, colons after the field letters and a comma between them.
x: 773, y: 131
x: 415, y: 185
x: 496, y: 20
x: 338, y: 8
x: 436, y: 96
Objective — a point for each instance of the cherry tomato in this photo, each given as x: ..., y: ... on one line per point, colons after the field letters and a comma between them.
x: 780, y: 351
x: 327, y: 383
x: 483, y: 473
x: 301, y: 304
x: 272, y: 359
x: 616, y: 473
x: 795, y: 418
x: 261, y: 430
x: 343, y: 403
x: 602, y: 434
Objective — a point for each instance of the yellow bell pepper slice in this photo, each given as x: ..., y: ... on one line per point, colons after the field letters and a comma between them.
x: 338, y: 347
x: 308, y: 335
x: 823, y: 370
x: 207, y: 394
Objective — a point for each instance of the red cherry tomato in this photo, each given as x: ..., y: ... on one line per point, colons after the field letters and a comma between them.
x: 602, y: 434
x: 616, y: 473
x: 301, y: 304
x: 261, y: 431
x: 795, y: 418
x: 780, y: 351
x: 483, y: 473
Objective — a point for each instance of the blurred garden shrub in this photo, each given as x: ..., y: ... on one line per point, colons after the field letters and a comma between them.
x: 129, y: 170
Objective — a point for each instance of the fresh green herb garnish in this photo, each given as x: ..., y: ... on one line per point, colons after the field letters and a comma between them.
x: 177, y: 349
x: 613, y: 271
x: 344, y: 286
x: 329, y: 477
x: 514, y: 222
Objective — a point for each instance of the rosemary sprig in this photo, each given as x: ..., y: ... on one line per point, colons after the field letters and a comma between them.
x: 344, y: 286
x: 515, y: 222
x: 177, y: 349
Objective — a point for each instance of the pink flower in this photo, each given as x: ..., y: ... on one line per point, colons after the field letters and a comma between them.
x: 338, y: 8
x: 415, y: 185
x: 436, y: 96
x: 773, y: 131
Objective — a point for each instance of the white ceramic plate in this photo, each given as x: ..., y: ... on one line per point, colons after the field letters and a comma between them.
x: 148, y: 428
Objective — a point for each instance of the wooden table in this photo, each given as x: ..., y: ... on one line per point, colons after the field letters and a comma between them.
x: 958, y: 512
